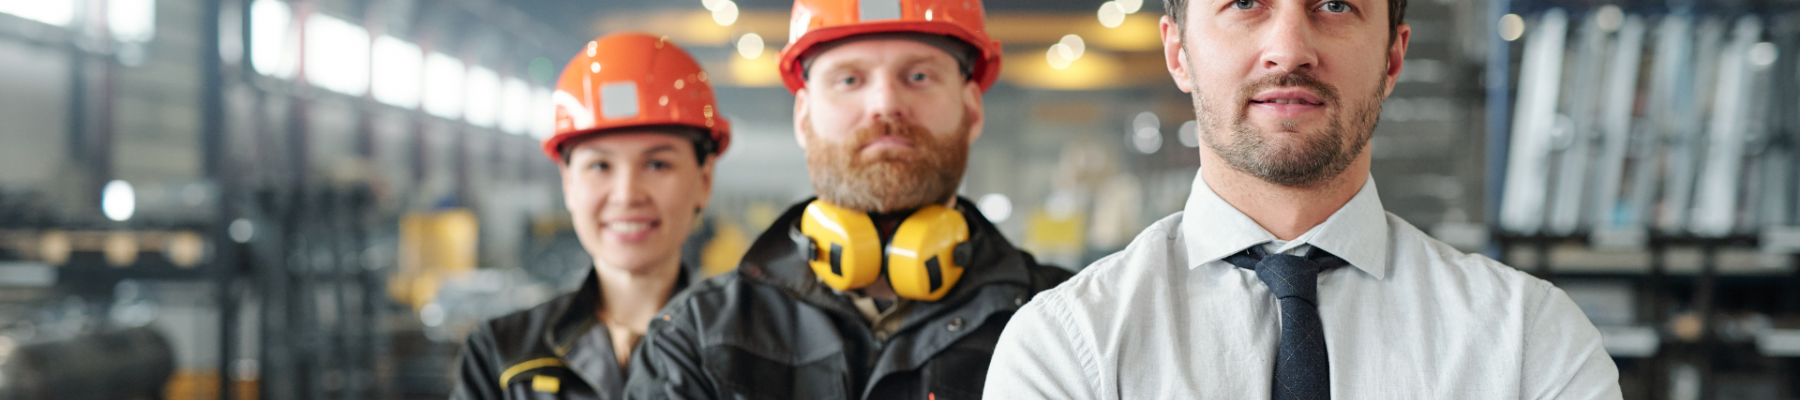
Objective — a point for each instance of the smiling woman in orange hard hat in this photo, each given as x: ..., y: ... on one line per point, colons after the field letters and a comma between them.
x: 637, y: 135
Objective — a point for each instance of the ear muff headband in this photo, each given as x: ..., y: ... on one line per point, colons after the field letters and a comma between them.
x: 923, y: 259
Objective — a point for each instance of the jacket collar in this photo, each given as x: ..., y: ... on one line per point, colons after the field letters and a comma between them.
x: 581, y: 312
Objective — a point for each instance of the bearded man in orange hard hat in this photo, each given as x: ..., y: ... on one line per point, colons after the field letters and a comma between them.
x: 887, y: 285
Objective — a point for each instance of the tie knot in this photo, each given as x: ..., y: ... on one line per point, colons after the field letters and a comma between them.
x: 1287, y: 276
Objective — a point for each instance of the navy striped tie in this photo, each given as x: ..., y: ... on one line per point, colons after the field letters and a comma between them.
x: 1301, y: 370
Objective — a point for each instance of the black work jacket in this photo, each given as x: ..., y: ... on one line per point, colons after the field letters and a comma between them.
x: 771, y: 330
x: 556, y: 350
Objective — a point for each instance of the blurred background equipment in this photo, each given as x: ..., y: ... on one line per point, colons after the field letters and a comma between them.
x: 125, y: 364
x: 1648, y: 170
x: 310, y: 199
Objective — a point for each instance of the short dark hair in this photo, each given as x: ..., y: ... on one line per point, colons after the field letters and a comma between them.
x: 704, y: 145
x: 1177, y: 10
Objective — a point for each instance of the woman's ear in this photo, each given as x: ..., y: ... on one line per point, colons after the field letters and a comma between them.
x: 706, y: 180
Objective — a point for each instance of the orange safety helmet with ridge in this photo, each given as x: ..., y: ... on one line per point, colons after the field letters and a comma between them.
x: 633, y: 79
x: 816, y: 22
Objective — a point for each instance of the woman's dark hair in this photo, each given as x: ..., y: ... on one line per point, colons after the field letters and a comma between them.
x: 704, y: 145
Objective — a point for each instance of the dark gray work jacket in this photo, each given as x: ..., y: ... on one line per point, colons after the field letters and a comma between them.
x: 557, y: 350
x: 771, y: 330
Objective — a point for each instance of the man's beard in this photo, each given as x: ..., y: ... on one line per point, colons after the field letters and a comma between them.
x: 1318, y: 157
x: 890, y: 180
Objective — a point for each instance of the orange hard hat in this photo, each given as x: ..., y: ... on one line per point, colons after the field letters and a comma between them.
x: 821, y: 21
x: 633, y: 80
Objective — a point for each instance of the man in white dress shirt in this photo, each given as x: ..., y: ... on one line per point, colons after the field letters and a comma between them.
x: 1283, y: 277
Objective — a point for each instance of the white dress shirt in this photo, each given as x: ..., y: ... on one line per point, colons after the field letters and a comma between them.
x: 1410, y: 318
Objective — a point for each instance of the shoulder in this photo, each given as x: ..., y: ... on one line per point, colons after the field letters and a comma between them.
x: 720, y: 304
x: 1044, y: 276
x: 519, y: 335
x: 1106, y: 285
x: 703, y: 298
x: 1415, y: 254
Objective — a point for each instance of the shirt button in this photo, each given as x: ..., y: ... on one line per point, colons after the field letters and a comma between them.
x: 956, y: 324
x: 1019, y: 301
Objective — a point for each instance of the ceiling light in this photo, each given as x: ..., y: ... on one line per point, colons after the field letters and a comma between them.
x: 268, y: 37
x: 118, y: 201
x: 131, y: 21
x: 1189, y: 134
x: 750, y: 46
x: 726, y: 13
x: 1058, y: 56
x: 1763, y: 54
x: 995, y: 206
x: 515, y: 98
x: 337, y: 55
x: 1075, y: 45
x: 1147, y: 140
x: 1111, y: 14
x: 1131, y: 6
x: 54, y: 12
x: 1512, y: 27
x: 443, y: 86
x: 479, y: 107
x: 398, y: 65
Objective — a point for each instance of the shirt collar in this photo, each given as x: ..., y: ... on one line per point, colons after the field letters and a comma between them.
x: 1357, y: 232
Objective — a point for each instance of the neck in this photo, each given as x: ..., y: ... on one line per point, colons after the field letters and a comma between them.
x: 632, y: 298
x: 1285, y: 211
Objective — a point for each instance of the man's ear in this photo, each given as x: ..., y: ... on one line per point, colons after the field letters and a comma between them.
x: 972, y: 107
x: 800, y: 114
x: 1396, y: 57
x: 1173, y: 54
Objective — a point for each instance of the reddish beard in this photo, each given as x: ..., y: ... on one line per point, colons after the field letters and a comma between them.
x: 888, y: 180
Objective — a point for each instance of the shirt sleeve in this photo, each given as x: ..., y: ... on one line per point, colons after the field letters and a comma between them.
x: 667, y: 364
x: 1564, y: 358
x: 476, y: 378
x: 1042, y: 356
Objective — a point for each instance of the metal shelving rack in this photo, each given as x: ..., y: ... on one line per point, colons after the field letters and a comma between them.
x: 1706, y: 294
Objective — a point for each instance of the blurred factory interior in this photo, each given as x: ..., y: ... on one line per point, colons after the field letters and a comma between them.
x: 308, y: 199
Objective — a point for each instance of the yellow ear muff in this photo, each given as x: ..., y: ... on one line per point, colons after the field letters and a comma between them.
x: 846, y: 250
x: 922, y: 259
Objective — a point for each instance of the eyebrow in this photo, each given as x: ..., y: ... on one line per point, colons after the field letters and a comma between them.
x: 840, y: 67
x: 918, y: 59
x: 663, y: 148
x: 904, y: 62
x: 666, y: 148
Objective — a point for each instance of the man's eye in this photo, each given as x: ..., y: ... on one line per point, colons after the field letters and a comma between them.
x: 1244, y: 4
x: 848, y: 80
x: 1336, y: 7
x: 917, y: 77
x: 658, y: 165
x: 599, y: 166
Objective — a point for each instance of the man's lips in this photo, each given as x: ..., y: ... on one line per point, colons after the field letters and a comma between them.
x: 886, y: 141
x: 1287, y: 96
x: 1286, y: 103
